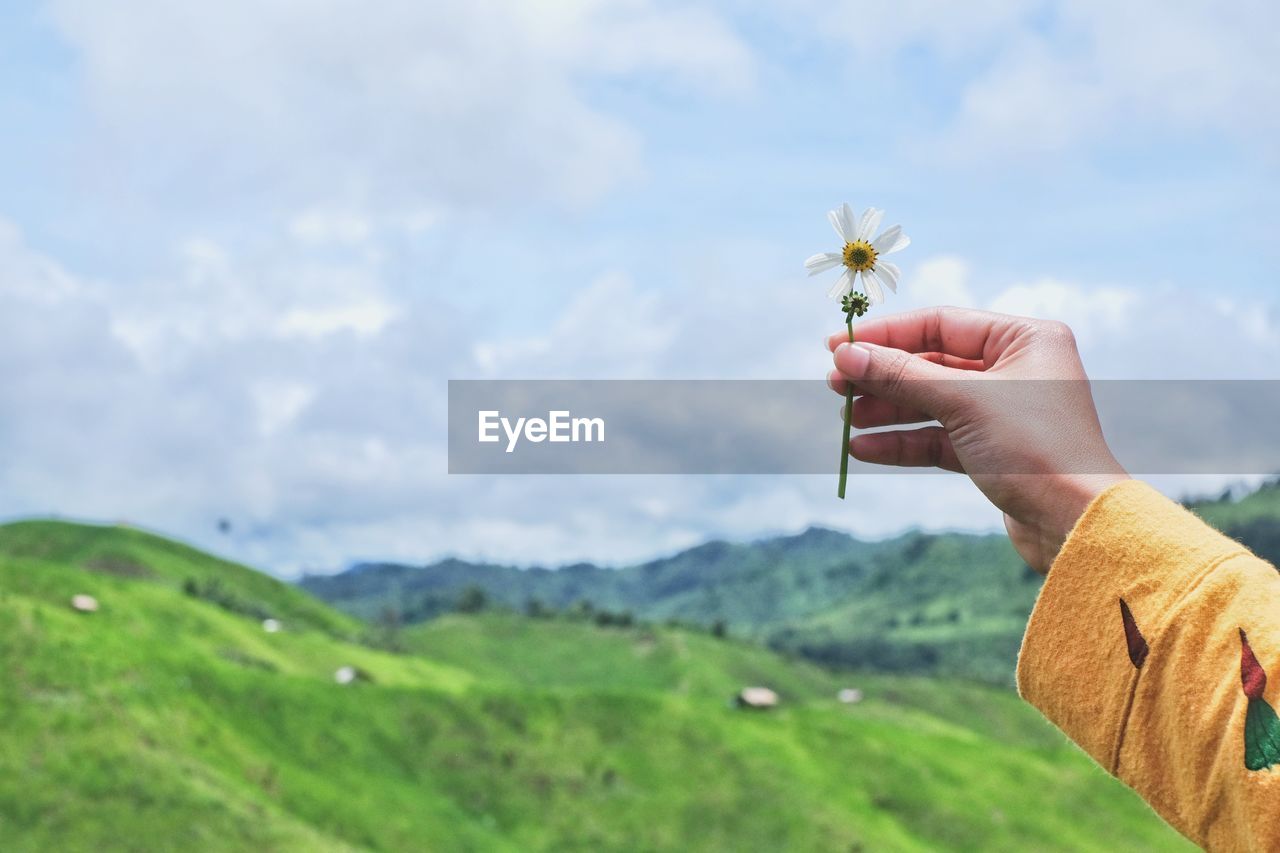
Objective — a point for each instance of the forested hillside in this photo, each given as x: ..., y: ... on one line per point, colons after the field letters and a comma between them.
x: 946, y: 604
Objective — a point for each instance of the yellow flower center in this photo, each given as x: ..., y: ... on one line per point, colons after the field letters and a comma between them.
x: 859, y: 255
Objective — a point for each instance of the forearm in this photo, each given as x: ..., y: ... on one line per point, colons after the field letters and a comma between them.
x: 1152, y: 688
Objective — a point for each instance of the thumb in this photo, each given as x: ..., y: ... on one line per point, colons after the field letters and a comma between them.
x: 901, y: 378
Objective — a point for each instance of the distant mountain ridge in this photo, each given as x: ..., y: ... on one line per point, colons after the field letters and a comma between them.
x: 938, y: 603
x: 951, y: 603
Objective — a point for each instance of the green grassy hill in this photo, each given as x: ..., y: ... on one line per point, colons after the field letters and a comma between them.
x: 129, y: 553
x: 171, y: 720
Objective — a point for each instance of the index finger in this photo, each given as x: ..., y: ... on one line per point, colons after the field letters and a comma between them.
x: 960, y: 332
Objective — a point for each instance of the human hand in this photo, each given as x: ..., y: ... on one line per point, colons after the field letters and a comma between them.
x: 1034, y: 447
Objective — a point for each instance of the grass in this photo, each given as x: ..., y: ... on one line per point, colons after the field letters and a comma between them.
x: 170, y: 721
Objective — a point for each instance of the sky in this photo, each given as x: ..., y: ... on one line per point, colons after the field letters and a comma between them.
x: 244, y: 245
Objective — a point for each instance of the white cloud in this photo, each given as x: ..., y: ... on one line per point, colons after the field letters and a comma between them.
x: 177, y: 400
x: 626, y: 37
x: 1101, y: 67
x: 876, y: 31
x: 214, y: 299
x: 362, y: 317
x: 1044, y: 78
x: 608, y: 329
x: 30, y: 276
x: 318, y: 225
x: 457, y: 103
x: 279, y: 403
x: 940, y: 281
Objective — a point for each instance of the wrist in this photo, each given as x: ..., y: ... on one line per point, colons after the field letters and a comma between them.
x: 1072, y: 497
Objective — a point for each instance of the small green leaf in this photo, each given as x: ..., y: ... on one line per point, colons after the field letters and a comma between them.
x: 1261, y: 736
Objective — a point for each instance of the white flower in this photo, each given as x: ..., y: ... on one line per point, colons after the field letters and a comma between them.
x: 862, y: 255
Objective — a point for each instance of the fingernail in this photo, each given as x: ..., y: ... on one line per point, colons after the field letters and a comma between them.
x: 852, y: 359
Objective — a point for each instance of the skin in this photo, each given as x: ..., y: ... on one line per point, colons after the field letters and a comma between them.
x: 1035, y: 450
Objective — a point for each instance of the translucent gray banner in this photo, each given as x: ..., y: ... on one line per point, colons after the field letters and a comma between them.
x: 793, y: 426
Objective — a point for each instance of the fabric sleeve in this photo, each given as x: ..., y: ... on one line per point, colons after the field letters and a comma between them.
x: 1150, y: 645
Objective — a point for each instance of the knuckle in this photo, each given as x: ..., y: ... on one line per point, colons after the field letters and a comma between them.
x: 933, y: 331
x: 933, y: 450
x: 1058, y: 331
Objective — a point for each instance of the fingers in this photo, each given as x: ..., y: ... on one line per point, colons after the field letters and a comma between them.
x: 837, y: 383
x: 869, y: 412
x: 928, y: 447
x: 901, y: 378
x: 952, y: 361
x: 960, y: 332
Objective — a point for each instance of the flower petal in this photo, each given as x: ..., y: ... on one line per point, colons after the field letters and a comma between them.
x: 822, y: 262
x: 892, y: 240
x: 843, y: 285
x: 833, y: 216
x: 889, y: 274
x: 875, y: 294
x: 870, y: 222
x: 850, y: 222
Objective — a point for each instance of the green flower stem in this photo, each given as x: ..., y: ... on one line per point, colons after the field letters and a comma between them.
x: 848, y: 412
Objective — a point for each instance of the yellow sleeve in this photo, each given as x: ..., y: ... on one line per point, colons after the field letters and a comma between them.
x: 1155, y: 645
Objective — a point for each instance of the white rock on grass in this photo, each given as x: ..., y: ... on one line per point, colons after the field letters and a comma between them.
x: 84, y: 603
x: 757, y: 697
